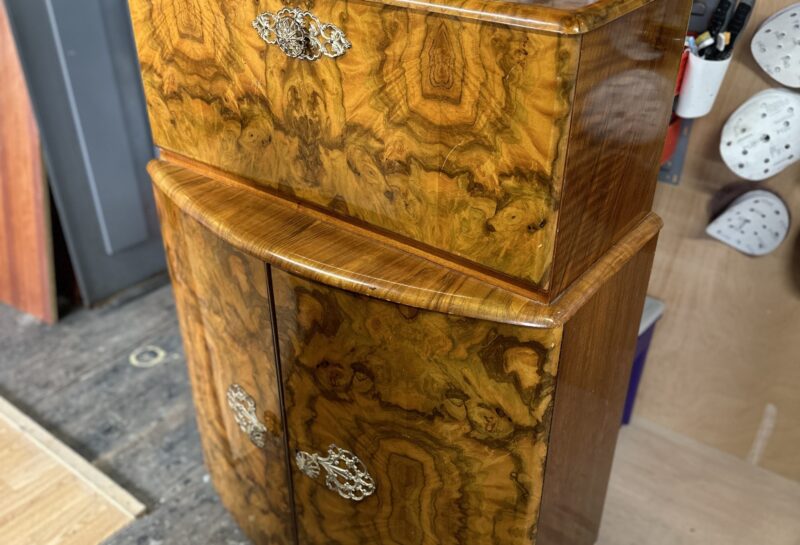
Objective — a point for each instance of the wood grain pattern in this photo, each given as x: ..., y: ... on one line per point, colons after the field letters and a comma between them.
x: 445, y: 132
x: 26, y: 257
x: 225, y: 317
x: 449, y: 415
x: 156, y: 455
x: 594, y: 373
x: 319, y: 248
x: 623, y: 103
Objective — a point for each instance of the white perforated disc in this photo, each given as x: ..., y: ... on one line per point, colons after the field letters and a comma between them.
x: 776, y: 46
x: 762, y: 137
x: 755, y: 224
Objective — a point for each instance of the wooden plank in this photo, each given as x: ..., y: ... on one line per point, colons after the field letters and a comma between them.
x: 50, y: 494
x: 26, y: 257
x: 723, y: 365
x: 670, y: 490
x: 136, y: 425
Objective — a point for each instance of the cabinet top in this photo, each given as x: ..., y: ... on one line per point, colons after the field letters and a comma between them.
x: 333, y: 252
x: 558, y: 16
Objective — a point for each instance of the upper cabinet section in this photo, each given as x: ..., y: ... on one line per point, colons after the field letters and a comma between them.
x: 448, y: 134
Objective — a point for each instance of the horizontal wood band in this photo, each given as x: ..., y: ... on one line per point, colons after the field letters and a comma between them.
x: 280, y: 233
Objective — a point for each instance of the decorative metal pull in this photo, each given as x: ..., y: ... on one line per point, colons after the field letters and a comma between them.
x: 301, y: 35
x: 345, y: 473
x: 244, y: 411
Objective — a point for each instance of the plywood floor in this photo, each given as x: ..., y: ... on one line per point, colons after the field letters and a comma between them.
x: 137, y: 425
x: 667, y: 489
x: 724, y: 366
x: 49, y: 495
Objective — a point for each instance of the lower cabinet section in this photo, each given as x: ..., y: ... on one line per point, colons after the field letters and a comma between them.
x: 331, y: 417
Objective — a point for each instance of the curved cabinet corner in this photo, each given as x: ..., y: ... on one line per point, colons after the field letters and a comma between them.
x: 224, y: 311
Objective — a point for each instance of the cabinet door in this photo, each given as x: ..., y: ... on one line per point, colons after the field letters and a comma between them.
x: 448, y: 416
x: 224, y: 310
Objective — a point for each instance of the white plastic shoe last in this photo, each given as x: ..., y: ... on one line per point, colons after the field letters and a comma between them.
x: 762, y: 137
x: 755, y: 224
x: 776, y: 46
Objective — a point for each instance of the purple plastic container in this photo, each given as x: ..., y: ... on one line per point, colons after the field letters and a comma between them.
x: 653, y: 310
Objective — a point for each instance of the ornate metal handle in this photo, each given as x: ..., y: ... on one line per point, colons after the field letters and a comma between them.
x: 345, y: 473
x: 244, y: 411
x: 301, y: 35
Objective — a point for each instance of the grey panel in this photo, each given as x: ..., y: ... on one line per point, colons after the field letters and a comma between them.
x: 84, y: 52
x: 80, y: 62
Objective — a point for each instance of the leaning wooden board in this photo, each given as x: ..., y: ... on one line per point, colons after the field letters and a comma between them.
x: 26, y: 257
x: 52, y: 495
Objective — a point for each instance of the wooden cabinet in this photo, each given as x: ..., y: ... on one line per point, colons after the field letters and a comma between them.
x: 410, y: 246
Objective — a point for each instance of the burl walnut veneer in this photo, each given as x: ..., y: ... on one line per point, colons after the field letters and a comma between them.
x: 410, y: 243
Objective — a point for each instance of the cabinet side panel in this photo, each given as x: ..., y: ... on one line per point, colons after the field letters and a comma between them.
x: 623, y: 102
x: 449, y: 415
x: 596, y: 357
x: 225, y: 317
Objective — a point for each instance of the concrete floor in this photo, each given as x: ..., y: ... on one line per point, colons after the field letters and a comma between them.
x: 135, y: 424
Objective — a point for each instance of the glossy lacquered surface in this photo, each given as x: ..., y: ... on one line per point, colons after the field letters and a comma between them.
x: 449, y: 415
x: 626, y: 81
x: 597, y: 351
x: 462, y: 138
x: 444, y: 131
x: 473, y: 431
x: 431, y: 251
x: 340, y: 255
x: 225, y: 316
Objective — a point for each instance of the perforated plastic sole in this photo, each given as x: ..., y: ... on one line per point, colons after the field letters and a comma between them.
x: 755, y: 224
x: 762, y: 137
x: 776, y: 46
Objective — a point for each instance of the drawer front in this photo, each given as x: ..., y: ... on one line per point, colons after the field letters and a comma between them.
x: 224, y: 311
x: 444, y: 419
x: 444, y: 131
